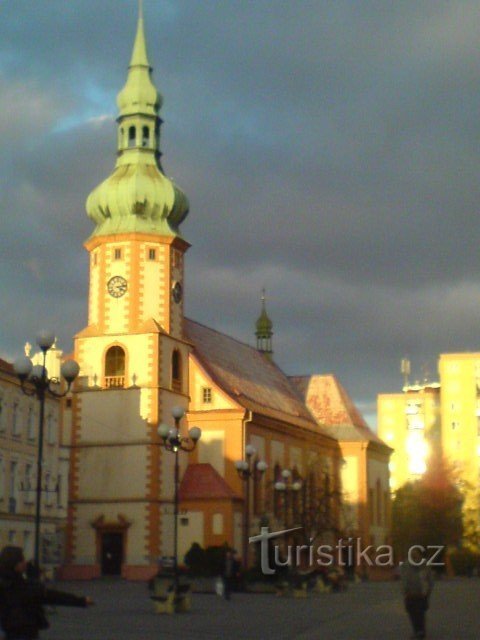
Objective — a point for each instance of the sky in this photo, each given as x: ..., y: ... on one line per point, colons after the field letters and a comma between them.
x: 329, y: 149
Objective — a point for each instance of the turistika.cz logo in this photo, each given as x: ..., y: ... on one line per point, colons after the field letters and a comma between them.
x: 347, y: 552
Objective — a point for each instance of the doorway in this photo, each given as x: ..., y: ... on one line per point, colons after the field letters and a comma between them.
x: 111, y: 553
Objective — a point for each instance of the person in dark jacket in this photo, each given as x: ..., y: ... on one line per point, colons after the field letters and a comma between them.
x: 417, y: 583
x: 21, y: 600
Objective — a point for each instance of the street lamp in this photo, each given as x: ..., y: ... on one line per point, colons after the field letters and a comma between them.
x: 174, y: 442
x: 289, y: 489
x: 41, y: 387
x: 247, y: 471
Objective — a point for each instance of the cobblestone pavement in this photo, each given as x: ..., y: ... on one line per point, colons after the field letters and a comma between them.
x: 368, y: 611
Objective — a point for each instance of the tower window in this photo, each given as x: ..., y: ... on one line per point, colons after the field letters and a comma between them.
x: 176, y: 371
x: 132, y: 134
x: 207, y: 395
x: 117, y: 254
x: 145, y: 136
x: 115, y: 367
x: 152, y: 254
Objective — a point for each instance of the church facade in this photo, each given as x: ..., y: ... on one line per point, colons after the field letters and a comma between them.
x: 140, y: 357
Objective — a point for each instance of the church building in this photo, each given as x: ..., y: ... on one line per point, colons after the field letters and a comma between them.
x: 140, y: 357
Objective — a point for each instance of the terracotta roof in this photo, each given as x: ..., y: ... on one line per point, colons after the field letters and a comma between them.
x: 203, y: 481
x: 248, y: 376
x: 5, y: 366
x: 331, y: 405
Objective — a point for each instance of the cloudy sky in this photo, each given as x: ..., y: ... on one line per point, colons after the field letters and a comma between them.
x: 329, y: 149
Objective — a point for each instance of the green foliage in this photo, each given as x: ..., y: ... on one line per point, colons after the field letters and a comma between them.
x: 428, y: 511
x: 206, y: 562
x: 464, y: 562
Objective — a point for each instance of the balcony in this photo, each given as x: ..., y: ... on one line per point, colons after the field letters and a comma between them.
x: 113, y: 382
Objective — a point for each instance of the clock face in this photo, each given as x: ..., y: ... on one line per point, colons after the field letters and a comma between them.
x: 117, y: 286
x: 177, y: 292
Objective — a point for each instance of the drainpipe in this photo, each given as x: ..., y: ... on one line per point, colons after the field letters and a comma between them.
x: 246, y: 484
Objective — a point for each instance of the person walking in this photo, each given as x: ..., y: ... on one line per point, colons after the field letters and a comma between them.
x: 22, y: 615
x: 417, y: 583
x: 230, y: 572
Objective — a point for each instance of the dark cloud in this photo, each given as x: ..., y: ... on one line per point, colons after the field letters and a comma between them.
x: 329, y: 151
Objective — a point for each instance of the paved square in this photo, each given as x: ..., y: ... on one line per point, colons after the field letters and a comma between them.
x: 368, y: 611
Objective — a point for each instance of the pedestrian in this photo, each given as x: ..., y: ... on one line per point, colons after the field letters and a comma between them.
x: 229, y: 573
x: 22, y: 614
x: 417, y: 583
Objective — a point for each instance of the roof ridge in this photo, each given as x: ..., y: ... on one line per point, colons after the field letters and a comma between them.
x: 221, y: 333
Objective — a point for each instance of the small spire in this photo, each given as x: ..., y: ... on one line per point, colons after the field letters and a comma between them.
x: 264, y: 330
x: 139, y: 53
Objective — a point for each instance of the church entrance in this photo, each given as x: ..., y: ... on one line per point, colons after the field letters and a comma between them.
x: 111, y: 553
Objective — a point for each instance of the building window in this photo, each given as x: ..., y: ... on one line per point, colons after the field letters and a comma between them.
x: 217, y: 524
x: 145, y: 136
x: 31, y: 424
x: 29, y: 488
x: 51, y: 429
x: 48, y: 490
x: 2, y: 413
x: 277, y: 497
x: 12, y: 495
x: 2, y: 478
x: 206, y: 395
x: 455, y: 425
x: 68, y: 403
x: 27, y: 544
x: 11, y: 536
x: 176, y: 371
x: 16, y: 427
x: 115, y: 367
x: 379, y: 502
x: 117, y: 254
x: 152, y: 254
x: 131, y: 136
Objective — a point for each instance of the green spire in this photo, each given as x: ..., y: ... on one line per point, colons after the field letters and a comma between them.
x: 264, y: 330
x: 139, y: 53
x: 138, y: 197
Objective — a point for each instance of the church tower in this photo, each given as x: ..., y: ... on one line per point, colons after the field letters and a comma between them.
x: 132, y: 354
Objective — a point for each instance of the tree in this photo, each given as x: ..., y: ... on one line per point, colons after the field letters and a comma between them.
x: 428, y: 511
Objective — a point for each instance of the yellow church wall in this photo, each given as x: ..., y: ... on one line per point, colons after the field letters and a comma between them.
x: 378, y: 486
x: 94, y: 294
x: 112, y: 416
x: 99, y: 477
x: 152, y: 275
x: 198, y: 381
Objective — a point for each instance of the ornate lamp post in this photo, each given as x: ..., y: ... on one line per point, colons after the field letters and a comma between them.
x: 42, y: 386
x: 288, y: 488
x: 174, y: 442
x: 248, y: 471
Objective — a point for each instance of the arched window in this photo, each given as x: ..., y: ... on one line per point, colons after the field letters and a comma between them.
x: 378, y: 498
x: 257, y: 490
x: 176, y: 371
x: 115, y: 367
x: 277, y: 495
x: 132, y: 135
x: 145, y: 136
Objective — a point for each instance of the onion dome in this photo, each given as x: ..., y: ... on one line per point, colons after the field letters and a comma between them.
x: 137, y: 196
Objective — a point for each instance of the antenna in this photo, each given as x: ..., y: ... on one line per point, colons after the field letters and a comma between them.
x: 405, y: 369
